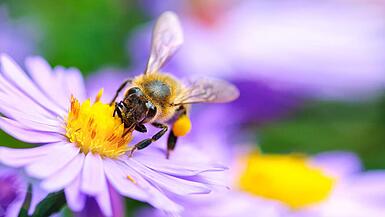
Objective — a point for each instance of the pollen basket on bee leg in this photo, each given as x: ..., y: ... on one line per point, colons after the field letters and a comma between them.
x: 182, y: 126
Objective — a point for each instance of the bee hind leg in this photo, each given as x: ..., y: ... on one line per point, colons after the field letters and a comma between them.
x: 172, y: 138
x: 171, y: 143
x: 146, y: 142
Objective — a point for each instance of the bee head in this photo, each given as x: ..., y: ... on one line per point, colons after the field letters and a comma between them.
x: 137, y: 108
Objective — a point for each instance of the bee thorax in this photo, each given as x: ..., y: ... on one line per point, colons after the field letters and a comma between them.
x: 158, y: 90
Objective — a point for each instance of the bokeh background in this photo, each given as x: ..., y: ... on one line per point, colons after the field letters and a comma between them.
x: 311, y: 73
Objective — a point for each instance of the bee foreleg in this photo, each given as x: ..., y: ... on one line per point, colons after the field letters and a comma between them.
x: 144, y: 143
x: 141, y: 128
x: 118, y: 109
x: 121, y: 87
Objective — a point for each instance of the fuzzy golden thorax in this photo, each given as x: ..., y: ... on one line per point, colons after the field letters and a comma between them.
x: 161, y: 89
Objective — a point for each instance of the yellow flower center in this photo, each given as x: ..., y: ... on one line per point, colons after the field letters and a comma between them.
x: 286, y: 178
x: 93, y: 128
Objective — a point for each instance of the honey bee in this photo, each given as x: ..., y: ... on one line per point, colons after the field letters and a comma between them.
x: 159, y: 98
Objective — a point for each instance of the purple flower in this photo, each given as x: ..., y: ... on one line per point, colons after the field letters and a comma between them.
x: 91, y: 207
x: 326, y: 49
x: 12, y: 192
x: 259, y: 102
x: 83, y: 147
x: 108, y: 79
x: 15, y: 38
x: 331, y: 184
x: 13, y: 189
x: 326, y: 185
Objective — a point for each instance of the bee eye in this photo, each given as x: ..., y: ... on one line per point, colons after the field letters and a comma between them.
x: 151, y: 111
x: 134, y: 90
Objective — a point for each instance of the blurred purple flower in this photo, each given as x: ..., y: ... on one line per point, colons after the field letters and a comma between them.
x: 83, y: 148
x: 331, y: 184
x: 13, y: 189
x: 15, y: 38
x: 353, y: 193
x: 12, y: 193
x: 91, y: 207
x: 327, y: 49
x: 259, y: 102
x: 109, y: 79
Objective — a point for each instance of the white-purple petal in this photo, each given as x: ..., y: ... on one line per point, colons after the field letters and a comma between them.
x: 65, y: 176
x: 103, y: 199
x: 65, y: 96
x: 22, y: 157
x: 178, y: 167
x: 19, y: 103
x: 14, y: 129
x: 75, y: 83
x: 38, y: 195
x: 93, y: 175
x: 33, y: 123
x: 56, y: 159
x: 120, y: 181
x: 12, y: 71
x: 157, y: 197
x: 170, y: 183
x: 42, y: 73
x: 75, y: 199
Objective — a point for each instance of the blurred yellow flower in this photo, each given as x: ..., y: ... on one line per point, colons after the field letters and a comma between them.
x: 287, y: 178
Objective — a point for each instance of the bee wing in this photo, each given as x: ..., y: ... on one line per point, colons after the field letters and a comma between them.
x: 208, y: 90
x: 167, y: 37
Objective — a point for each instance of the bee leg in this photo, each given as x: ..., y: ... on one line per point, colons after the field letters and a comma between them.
x: 141, y: 128
x: 117, y: 111
x: 120, y: 89
x: 119, y: 107
x: 144, y: 143
x: 172, y: 138
x: 171, y: 143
